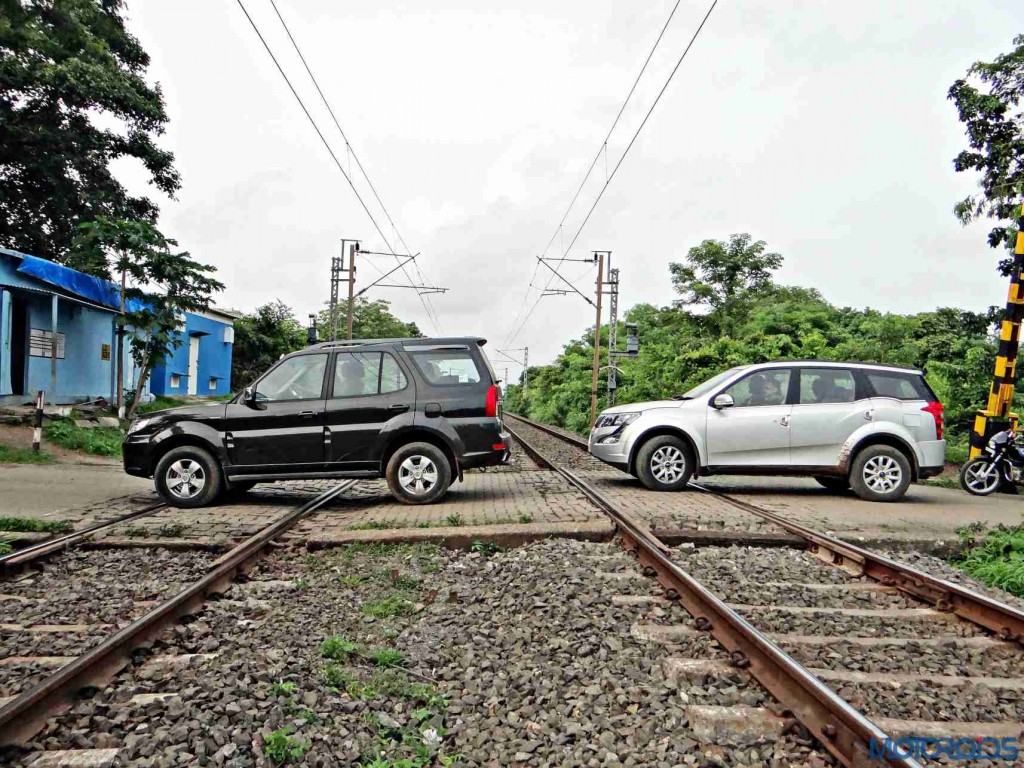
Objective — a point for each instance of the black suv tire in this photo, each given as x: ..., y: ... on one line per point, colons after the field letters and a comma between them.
x: 418, y: 473
x: 880, y: 473
x: 188, y: 477
x: 834, y: 484
x: 664, y: 463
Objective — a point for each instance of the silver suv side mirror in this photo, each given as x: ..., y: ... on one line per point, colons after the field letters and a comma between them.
x: 723, y: 401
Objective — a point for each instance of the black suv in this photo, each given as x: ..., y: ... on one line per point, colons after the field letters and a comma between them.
x: 416, y: 411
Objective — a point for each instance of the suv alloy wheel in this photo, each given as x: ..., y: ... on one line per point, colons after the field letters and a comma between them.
x: 418, y: 473
x: 880, y: 473
x: 664, y: 463
x: 188, y: 477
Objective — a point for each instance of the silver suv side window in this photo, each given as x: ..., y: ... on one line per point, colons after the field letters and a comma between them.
x: 297, y: 378
x: 827, y: 385
x: 902, y: 386
x: 762, y: 388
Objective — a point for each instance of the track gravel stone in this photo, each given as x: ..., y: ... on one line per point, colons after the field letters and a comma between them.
x: 516, y: 657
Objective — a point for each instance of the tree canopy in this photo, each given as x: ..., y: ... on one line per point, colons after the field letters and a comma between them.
x: 989, y: 102
x: 73, y: 99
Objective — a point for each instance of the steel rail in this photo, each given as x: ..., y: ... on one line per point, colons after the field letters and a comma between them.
x: 27, y: 714
x: 36, y: 552
x: 1004, y: 620
x: 844, y: 731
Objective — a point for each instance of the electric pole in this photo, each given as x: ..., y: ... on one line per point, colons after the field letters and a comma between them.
x: 599, y: 258
x: 351, y: 284
x: 613, y: 329
x: 337, y: 269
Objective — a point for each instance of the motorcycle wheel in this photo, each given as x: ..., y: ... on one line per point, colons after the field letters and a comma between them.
x: 975, y: 480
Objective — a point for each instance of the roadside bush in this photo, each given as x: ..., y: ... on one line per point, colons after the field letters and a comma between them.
x: 996, y: 557
x: 34, y: 525
x: 99, y: 441
x: 23, y: 456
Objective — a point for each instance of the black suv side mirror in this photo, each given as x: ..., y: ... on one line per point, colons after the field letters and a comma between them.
x: 250, y: 399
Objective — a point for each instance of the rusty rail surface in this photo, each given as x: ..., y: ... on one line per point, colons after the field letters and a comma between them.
x: 840, y: 728
x: 1004, y: 620
x: 27, y: 714
x: 27, y: 555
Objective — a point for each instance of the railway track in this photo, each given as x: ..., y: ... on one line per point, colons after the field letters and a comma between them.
x: 858, y: 650
x: 102, y: 655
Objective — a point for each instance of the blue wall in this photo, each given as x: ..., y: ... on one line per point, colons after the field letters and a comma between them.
x: 214, y: 359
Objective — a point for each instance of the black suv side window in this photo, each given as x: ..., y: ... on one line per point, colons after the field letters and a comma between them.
x: 447, y: 367
x: 296, y: 378
x: 360, y: 374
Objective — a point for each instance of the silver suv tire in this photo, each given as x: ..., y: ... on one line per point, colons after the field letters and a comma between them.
x: 664, y: 463
x: 880, y: 473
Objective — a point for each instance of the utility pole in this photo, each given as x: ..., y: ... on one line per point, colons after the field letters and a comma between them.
x: 526, y: 368
x: 613, y: 328
x: 120, y: 353
x: 599, y: 258
x: 997, y: 415
x: 351, y: 284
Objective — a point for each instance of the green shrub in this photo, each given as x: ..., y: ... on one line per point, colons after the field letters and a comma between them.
x: 387, y: 657
x: 281, y: 747
x: 337, y: 648
x: 34, y: 525
x: 5, y: 547
x: 100, y: 441
x: 997, y: 559
x: 23, y: 456
x: 395, y: 605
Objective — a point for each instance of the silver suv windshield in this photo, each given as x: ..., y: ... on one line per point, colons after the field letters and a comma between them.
x: 710, y: 384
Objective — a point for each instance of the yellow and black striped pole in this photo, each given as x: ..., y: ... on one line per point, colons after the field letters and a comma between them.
x: 997, y: 415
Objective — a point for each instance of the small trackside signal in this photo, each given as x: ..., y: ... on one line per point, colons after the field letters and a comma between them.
x: 935, y: 409
x: 492, y: 401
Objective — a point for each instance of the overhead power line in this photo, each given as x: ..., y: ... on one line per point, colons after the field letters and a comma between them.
x: 428, y: 308
x: 320, y: 134
x: 632, y: 141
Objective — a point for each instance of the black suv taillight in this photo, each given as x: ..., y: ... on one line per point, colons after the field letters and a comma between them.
x: 492, y: 401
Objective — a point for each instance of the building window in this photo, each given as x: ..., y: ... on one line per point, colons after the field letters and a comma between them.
x: 213, y: 382
x: 40, y: 343
x: 175, y: 381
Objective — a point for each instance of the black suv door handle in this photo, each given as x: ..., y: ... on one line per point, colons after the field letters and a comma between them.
x: 307, y: 414
x: 398, y: 407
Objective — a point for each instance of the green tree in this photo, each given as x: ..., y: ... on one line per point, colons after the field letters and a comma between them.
x: 261, y: 338
x: 165, y: 283
x: 370, y: 320
x: 727, y: 277
x: 988, y: 101
x: 73, y: 100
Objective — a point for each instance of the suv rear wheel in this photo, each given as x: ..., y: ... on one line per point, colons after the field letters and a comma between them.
x: 880, y: 473
x: 664, y: 463
x: 418, y: 473
x: 188, y: 477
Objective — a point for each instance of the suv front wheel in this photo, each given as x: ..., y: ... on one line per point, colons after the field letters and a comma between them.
x: 664, y: 463
x: 418, y: 473
x: 880, y: 473
x: 188, y: 477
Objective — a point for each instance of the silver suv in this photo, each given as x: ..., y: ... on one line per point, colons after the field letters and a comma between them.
x: 875, y: 428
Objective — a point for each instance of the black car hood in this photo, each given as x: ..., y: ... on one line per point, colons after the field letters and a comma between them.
x: 199, y: 411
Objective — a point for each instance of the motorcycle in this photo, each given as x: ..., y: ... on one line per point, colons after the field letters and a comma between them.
x: 1001, y: 462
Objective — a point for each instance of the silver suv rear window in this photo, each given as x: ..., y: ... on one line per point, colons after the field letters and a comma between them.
x: 447, y: 367
x: 901, y: 386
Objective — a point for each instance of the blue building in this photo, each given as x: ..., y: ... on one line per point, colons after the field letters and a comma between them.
x: 58, y: 334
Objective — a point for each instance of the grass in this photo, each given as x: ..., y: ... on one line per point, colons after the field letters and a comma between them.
x: 957, y: 450
x: 995, y: 557
x: 34, y: 525
x: 99, y: 441
x: 281, y: 747
x: 454, y: 519
x: 161, y: 403
x: 943, y: 482
x: 10, y: 455
x: 387, y: 657
x: 337, y: 648
x: 393, y: 605
x: 5, y: 547
x: 281, y: 688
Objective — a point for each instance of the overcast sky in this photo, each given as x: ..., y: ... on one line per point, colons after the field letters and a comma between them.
x: 820, y: 127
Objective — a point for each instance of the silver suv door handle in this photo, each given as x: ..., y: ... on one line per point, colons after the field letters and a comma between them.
x: 868, y: 416
x: 784, y: 421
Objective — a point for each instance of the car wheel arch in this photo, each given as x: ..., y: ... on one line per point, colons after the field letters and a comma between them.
x: 881, y: 438
x: 180, y: 441
x: 420, y: 435
x: 657, y: 432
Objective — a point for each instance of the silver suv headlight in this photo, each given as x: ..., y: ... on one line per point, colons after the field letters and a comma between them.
x: 616, y: 419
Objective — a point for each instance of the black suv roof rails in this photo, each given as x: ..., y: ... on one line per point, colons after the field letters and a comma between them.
x: 408, y: 340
